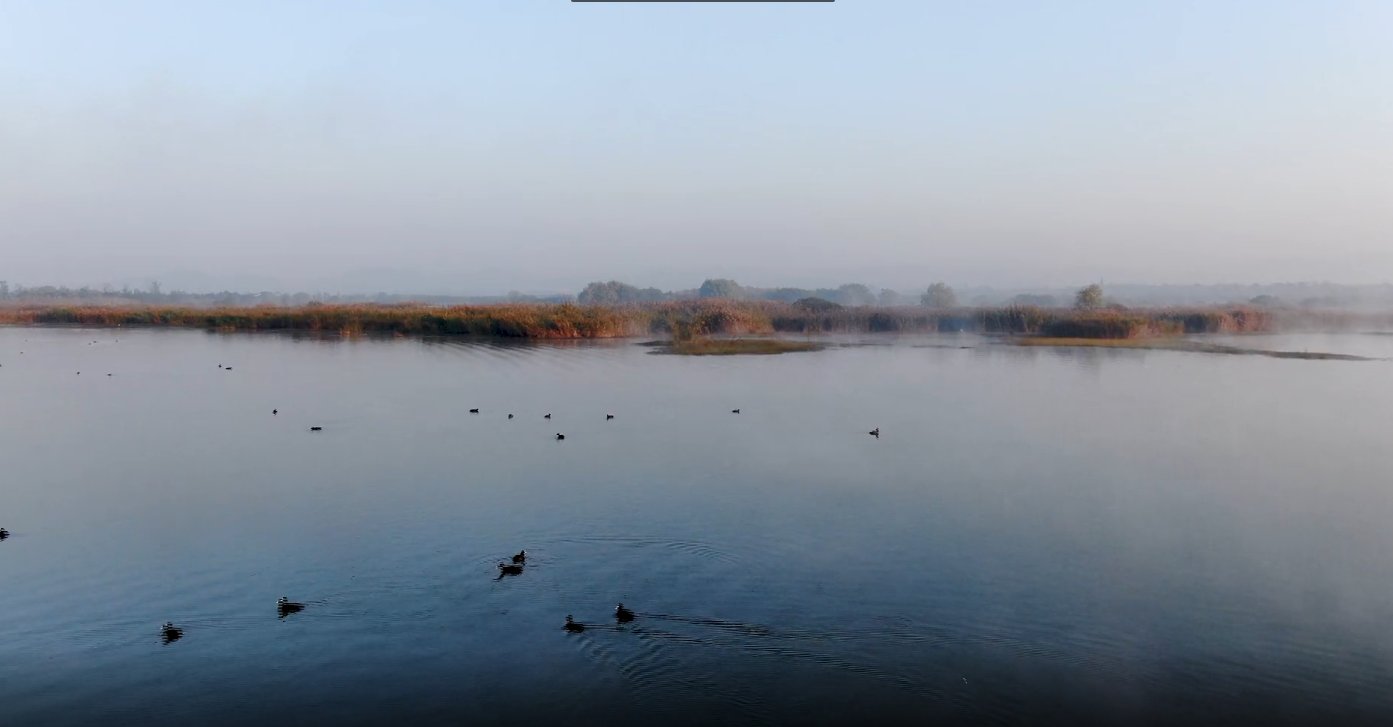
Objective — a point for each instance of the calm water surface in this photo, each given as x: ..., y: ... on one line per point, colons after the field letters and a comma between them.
x: 1083, y: 536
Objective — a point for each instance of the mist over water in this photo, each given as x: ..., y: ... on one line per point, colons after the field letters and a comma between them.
x: 1064, y: 535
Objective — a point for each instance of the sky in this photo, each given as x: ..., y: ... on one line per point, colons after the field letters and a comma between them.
x: 483, y: 146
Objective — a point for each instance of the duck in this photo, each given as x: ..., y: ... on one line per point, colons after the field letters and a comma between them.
x: 560, y: 436
x: 227, y: 368
x: 219, y: 365
x: 4, y: 533
x: 572, y: 626
x: 734, y: 411
x: 509, y: 569
x: 609, y: 417
x: 547, y: 415
x: 473, y: 411
x: 510, y: 416
x: 874, y: 432
x: 623, y: 615
x: 169, y: 632
x: 521, y: 557
x: 275, y: 412
x: 316, y: 429
x: 285, y: 607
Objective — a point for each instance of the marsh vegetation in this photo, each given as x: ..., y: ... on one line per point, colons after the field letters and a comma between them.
x: 680, y: 320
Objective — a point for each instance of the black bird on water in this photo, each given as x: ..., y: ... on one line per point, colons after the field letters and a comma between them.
x: 623, y: 615
x: 4, y: 533
x: 734, y: 411
x: 316, y: 429
x: 560, y: 436
x: 285, y: 607
x: 609, y: 417
x: 547, y: 415
x: 572, y: 626
x: 227, y: 368
x: 510, y: 416
x: 509, y: 569
x: 275, y: 412
x: 874, y: 432
x: 170, y: 633
x: 473, y: 411
x: 521, y: 557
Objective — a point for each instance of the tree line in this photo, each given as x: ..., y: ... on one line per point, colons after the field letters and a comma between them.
x: 939, y: 295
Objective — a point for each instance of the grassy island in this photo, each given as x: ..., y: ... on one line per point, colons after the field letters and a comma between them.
x: 680, y: 320
x: 705, y: 327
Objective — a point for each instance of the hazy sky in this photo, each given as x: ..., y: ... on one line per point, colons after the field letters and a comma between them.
x: 487, y: 145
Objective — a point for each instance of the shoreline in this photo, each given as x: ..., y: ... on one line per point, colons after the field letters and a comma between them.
x: 1180, y: 344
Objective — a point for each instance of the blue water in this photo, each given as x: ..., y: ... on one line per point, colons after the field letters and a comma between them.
x: 1077, y: 536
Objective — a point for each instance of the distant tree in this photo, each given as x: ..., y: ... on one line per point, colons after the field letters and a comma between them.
x: 721, y: 288
x: 1038, y: 301
x: 1267, y: 301
x: 4, y: 290
x: 617, y: 293
x: 939, y: 295
x: 787, y: 295
x: 889, y: 297
x: 855, y: 294
x: 154, y: 288
x: 817, y: 304
x: 1089, y: 297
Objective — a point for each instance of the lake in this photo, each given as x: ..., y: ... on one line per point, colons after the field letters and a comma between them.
x: 1066, y: 535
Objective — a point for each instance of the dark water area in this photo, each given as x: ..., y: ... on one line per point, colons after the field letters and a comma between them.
x: 1038, y: 535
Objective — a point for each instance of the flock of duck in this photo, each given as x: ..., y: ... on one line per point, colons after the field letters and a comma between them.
x: 519, y: 562
x: 284, y: 606
x: 170, y: 633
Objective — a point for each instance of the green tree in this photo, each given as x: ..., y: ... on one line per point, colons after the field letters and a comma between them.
x: 855, y: 294
x: 939, y: 295
x: 617, y: 293
x: 1089, y: 298
x: 1035, y: 299
x: 721, y: 288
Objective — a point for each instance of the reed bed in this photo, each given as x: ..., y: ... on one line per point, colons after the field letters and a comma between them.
x: 679, y: 320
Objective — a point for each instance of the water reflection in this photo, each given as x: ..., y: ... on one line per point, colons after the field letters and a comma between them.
x: 1077, y: 535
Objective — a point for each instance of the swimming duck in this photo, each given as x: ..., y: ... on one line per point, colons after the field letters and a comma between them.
x: 609, y: 417
x: 275, y: 412
x: 734, y: 411
x: 521, y: 557
x: 509, y: 569
x: 572, y: 626
x: 169, y: 632
x: 623, y: 615
x: 510, y: 416
x: 560, y: 436
x: 547, y: 416
x: 874, y: 432
x: 316, y: 429
x: 285, y: 607
x: 4, y: 533
x: 473, y: 411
